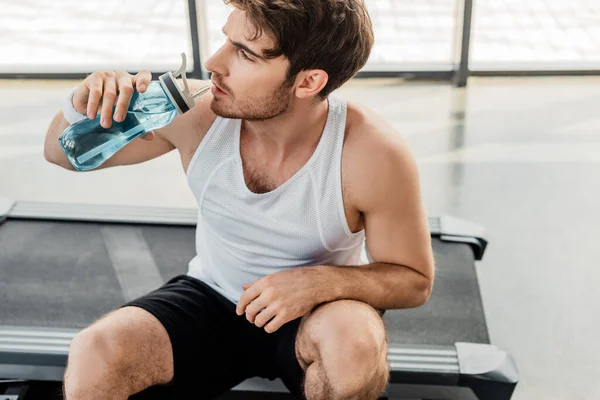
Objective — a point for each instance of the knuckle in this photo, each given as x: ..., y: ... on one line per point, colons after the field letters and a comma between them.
x: 110, y: 94
x: 276, y: 306
x: 126, y: 88
x: 80, y: 98
x: 96, y: 91
x: 269, y: 293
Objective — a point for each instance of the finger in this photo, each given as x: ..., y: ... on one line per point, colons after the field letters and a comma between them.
x: 108, y: 101
x: 276, y: 323
x: 80, y: 97
x: 246, y: 298
x: 142, y: 80
x: 125, y: 88
x: 254, y: 308
x: 247, y: 285
x: 264, y: 316
x: 95, y: 85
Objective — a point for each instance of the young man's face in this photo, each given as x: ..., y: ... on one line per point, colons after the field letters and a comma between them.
x: 253, y: 88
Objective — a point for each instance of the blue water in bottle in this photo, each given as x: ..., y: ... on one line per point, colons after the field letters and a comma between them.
x: 87, y: 144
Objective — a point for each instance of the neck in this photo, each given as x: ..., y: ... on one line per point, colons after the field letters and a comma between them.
x: 300, y: 127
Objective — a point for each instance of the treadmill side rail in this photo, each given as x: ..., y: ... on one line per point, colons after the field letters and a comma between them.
x: 40, y: 354
x: 488, y: 371
x: 452, y: 229
x: 104, y: 213
x: 447, y: 227
x: 6, y: 206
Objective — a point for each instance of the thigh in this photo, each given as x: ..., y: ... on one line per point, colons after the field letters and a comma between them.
x: 127, y: 350
x: 210, y: 350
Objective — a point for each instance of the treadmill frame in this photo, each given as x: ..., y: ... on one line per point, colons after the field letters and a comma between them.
x: 30, y: 354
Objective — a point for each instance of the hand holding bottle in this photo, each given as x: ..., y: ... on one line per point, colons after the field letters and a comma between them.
x: 139, y: 104
x: 102, y: 90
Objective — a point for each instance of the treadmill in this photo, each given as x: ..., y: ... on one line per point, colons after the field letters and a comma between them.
x: 57, y: 275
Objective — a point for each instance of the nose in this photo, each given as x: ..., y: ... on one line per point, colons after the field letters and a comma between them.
x: 216, y: 62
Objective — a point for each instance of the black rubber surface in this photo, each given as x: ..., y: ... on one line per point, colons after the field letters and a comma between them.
x: 59, y: 274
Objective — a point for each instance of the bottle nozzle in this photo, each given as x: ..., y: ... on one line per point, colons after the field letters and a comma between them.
x: 201, y: 91
x: 182, y: 72
x: 181, y: 97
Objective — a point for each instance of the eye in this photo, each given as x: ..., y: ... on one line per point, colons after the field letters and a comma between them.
x: 244, y: 55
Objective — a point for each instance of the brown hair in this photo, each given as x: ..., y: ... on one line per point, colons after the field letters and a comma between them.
x: 333, y: 35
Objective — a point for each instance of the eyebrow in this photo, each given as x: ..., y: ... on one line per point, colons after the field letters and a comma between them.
x: 243, y: 47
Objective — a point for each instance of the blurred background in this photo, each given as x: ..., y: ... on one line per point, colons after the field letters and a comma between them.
x: 498, y: 99
x: 71, y: 36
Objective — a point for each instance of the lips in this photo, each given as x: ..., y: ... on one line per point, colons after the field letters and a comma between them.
x: 218, y: 87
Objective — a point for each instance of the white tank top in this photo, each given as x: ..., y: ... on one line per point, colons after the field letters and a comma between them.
x: 242, y: 236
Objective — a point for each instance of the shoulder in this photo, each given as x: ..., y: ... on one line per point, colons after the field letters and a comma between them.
x: 376, y: 158
x: 187, y: 130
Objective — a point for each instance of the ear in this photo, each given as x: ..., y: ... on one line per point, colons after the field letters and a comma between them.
x: 311, y: 82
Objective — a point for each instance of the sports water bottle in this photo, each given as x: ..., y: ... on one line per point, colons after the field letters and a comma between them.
x: 87, y: 144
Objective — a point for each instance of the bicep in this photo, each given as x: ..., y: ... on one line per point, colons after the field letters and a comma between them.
x: 396, y: 223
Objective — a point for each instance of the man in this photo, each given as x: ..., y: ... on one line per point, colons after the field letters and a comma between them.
x: 290, y: 180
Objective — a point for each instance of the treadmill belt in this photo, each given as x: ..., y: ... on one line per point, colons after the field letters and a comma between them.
x: 454, y: 312
x: 68, y: 274
x: 61, y: 274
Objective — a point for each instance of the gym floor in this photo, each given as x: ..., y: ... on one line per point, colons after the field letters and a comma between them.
x: 521, y: 156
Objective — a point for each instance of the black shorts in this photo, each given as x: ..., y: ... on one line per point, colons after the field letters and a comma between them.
x: 214, y: 349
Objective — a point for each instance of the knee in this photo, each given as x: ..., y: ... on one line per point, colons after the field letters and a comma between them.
x: 94, y: 344
x: 94, y: 356
x: 352, y: 346
x: 121, y: 354
x: 360, y: 369
x: 349, y: 332
x: 99, y: 362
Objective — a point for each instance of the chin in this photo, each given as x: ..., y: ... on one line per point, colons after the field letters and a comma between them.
x: 221, y: 111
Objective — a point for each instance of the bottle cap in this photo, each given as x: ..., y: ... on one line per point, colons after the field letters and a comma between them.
x: 181, y: 97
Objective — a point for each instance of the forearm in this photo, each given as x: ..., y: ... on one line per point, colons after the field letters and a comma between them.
x: 52, y: 150
x: 381, y: 285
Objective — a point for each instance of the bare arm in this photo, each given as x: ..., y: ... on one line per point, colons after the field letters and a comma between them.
x: 99, y: 92
x: 52, y: 151
x: 388, y: 194
x: 139, y: 150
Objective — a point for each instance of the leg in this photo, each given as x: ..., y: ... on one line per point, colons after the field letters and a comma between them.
x: 121, y: 354
x: 184, y: 333
x: 342, y: 347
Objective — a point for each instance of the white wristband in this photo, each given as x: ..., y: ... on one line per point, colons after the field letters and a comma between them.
x: 70, y: 113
